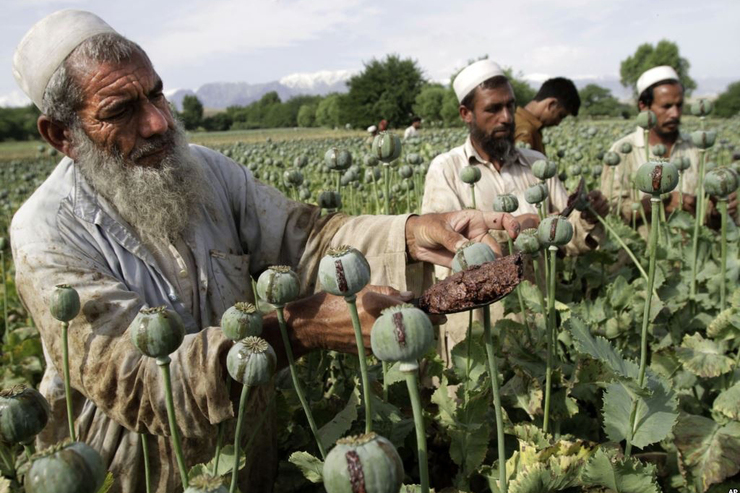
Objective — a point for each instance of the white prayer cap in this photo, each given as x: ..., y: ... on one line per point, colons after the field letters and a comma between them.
x: 473, y: 75
x: 45, y: 46
x: 656, y: 74
x: 372, y: 128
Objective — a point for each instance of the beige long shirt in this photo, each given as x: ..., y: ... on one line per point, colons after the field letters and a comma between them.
x: 444, y: 191
x: 66, y: 233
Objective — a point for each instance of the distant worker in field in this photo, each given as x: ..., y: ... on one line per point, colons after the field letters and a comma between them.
x: 487, y: 108
x: 134, y: 217
x: 413, y: 129
x: 556, y: 99
x: 383, y: 126
x: 660, y: 91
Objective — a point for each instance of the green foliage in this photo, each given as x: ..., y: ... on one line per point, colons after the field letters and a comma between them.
x: 329, y: 111
x: 429, y: 102
x: 311, y: 467
x: 710, y: 450
x: 523, y: 92
x: 648, y: 56
x: 625, y: 475
x: 192, y: 112
x: 598, y: 101
x: 703, y: 357
x: 306, y: 115
x: 19, y: 123
x: 728, y: 402
x: 385, y: 89
x: 728, y: 103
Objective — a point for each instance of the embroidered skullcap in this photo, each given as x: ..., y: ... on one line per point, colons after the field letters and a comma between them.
x: 473, y: 75
x: 656, y: 74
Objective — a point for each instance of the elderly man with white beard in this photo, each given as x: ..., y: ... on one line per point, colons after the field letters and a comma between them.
x: 133, y: 217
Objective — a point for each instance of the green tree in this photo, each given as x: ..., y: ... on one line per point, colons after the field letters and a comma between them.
x: 329, y: 111
x: 385, y: 89
x: 429, y: 102
x: 218, y: 122
x: 598, y: 101
x: 728, y: 103
x: 306, y: 115
x: 648, y: 56
x: 450, y: 109
x: 523, y: 92
x: 192, y: 112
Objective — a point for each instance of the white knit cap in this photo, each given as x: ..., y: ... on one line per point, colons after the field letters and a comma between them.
x: 473, y: 75
x: 45, y: 46
x: 372, y: 128
x: 656, y: 74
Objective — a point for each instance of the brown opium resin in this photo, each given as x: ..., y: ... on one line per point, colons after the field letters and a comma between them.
x: 477, y: 286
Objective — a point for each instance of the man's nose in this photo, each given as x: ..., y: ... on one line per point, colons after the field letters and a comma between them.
x: 153, y: 121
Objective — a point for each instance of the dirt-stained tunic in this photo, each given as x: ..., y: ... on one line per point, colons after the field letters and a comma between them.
x: 66, y: 233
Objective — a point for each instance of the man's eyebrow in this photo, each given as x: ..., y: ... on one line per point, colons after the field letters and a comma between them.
x: 158, y: 86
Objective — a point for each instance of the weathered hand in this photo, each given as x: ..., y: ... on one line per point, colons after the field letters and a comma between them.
x: 436, y: 237
x: 598, y: 203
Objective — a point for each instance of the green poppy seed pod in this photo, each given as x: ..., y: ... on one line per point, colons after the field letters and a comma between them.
x: 528, y: 241
x: 406, y: 171
x: 555, y: 231
x: 206, y: 484
x: 709, y: 166
x: 596, y: 171
x: 293, y: 177
x: 635, y: 206
x: 682, y: 163
x: 625, y: 148
x: 536, y: 193
x: 577, y: 156
x: 330, y: 199
x: 65, y: 303
x: 611, y: 158
x: 68, y: 468
x: 387, y: 147
x: 23, y: 414
x: 402, y: 333
x: 370, y: 160
x: 157, y: 332
x: 338, y: 159
x: 413, y: 158
x: 544, y: 169
x: 574, y: 170
x: 703, y: 139
x: 659, y: 150
x: 702, y: 107
x: 343, y: 271
x: 470, y: 174
x: 278, y: 285
x: 300, y: 161
x: 561, y: 153
x: 720, y: 182
x: 365, y: 463
x: 656, y: 177
x: 251, y: 361
x: 505, y: 203
x: 240, y: 321
x: 470, y: 254
x: 646, y: 119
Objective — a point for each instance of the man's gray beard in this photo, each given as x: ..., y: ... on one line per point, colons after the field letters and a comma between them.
x: 501, y: 149
x: 158, y: 201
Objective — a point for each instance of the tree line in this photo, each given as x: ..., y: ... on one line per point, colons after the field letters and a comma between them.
x: 395, y: 89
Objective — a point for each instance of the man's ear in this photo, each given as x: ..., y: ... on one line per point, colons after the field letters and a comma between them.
x: 58, y: 136
x: 642, y: 106
x: 552, y: 105
x: 466, y: 115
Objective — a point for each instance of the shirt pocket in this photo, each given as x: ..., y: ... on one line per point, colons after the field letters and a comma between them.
x: 231, y: 280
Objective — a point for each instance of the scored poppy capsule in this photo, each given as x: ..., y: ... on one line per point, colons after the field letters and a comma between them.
x: 67, y: 468
x: 278, y: 285
x: 157, y: 332
x: 656, y: 177
x: 251, y: 361
x: 23, y: 414
x: 338, y: 159
x: 343, y: 271
x: 387, y: 147
x: 65, y: 303
x: 470, y: 174
x: 544, y: 169
x: 720, y: 182
x: 682, y: 163
x: 241, y: 320
x: 206, y: 484
x: 470, y: 254
x: 528, y: 241
x: 703, y: 139
x: 505, y: 203
x: 555, y: 231
x: 702, y: 107
x: 367, y: 463
x: 646, y: 119
x: 536, y: 194
x: 402, y: 333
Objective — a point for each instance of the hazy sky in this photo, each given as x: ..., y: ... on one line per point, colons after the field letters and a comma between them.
x: 192, y: 42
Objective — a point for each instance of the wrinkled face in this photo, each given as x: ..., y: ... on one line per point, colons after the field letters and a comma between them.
x: 491, y: 122
x: 668, y: 107
x: 125, y: 112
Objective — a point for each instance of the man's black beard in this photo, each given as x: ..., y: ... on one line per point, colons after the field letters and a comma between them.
x: 500, y: 149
